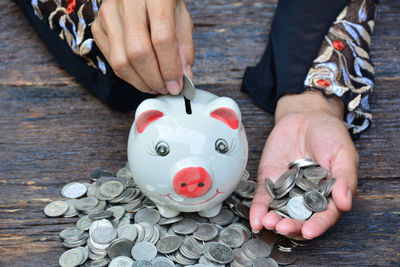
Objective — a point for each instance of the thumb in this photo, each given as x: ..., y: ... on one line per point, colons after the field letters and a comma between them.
x: 345, y: 170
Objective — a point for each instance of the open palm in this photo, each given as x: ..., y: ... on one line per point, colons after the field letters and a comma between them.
x: 323, y: 138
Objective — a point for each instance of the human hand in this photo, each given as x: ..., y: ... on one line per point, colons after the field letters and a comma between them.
x: 307, y: 125
x: 148, y: 43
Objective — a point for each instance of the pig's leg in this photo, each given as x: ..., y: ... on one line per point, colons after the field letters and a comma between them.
x: 211, y: 212
x: 167, y: 212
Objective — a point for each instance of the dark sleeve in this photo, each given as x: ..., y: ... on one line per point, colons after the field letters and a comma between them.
x: 298, y: 39
x: 65, y: 27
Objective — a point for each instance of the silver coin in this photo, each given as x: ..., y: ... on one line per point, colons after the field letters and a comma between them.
x: 71, y: 258
x: 282, y: 214
x: 279, y: 203
x: 142, y: 263
x: 218, y: 252
x: 242, y: 210
x: 104, y: 234
x: 269, y: 184
x: 121, y: 261
x: 102, y: 214
x: 151, y: 216
x: 56, y: 208
x: 71, y: 233
x: 224, y: 217
x: 185, y: 227
x: 73, y: 190
x: 148, y: 203
x: 297, y: 210
x: 118, y: 212
x: 302, y: 163
x: 295, y: 192
x: 71, y: 212
x: 144, y: 251
x: 120, y: 247
x: 284, y: 178
x: 127, y: 231
x: 257, y: 248
x: 166, y: 221
x: 326, y: 186
x: 232, y: 237
x: 191, y: 248
x: 205, y: 232
x: 169, y: 244
x: 87, y: 203
x: 100, y: 173
x: 84, y: 223
x: 315, y: 173
x: 283, y: 257
x: 162, y: 262
x: 97, y: 263
x: 203, y: 261
x: 111, y: 189
x: 315, y: 201
x: 189, y: 90
x: 264, y: 262
x: 305, y: 184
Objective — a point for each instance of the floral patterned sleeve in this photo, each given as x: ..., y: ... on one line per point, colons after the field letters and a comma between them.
x: 343, y: 66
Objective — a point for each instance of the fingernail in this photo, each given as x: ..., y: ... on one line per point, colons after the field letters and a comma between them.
x: 349, y: 194
x: 173, y: 87
x: 281, y: 233
x: 189, y: 71
x: 255, y: 231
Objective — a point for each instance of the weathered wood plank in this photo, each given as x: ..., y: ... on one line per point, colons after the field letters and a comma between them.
x: 54, y: 132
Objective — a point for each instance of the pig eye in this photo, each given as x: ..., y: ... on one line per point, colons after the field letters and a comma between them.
x: 162, y: 148
x: 221, y: 146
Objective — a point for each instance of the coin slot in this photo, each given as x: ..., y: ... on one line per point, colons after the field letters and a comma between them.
x: 188, y: 107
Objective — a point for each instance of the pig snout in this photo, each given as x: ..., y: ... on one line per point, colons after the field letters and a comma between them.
x: 192, y: 182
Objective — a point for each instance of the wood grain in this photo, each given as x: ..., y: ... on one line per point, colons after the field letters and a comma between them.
x: 54, y: 132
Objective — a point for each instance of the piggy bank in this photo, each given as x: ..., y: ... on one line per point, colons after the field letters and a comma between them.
x: 187, y: 156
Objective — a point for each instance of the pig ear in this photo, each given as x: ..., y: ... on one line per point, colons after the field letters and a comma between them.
x: 227, y: 111
x: 148, y: 112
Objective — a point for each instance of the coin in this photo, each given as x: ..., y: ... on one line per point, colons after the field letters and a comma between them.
x: 111, y: 189
x: 326, y: 186
x: 100, y: 173
x: 120, y: 247
x: 297, y: 210
x: 269, y: 184
x: 162, y: 262
x: 185, y: 227
x: 242, y: 210
x: 73, y: 190
x: 264, y: 262
x: 315, y: 201
x: 224, y: 217
x: 315, y: 173
x: 166, y: 221
x: 84, y: 223
x: 302, y: 163
x: 71, y: 212
x: 144, y: 251
x: 71, y: 233
x: 87, y: 203
x: 279, y: 203
x: 128, y: 231
x: 218, y: 252
x: 305, y: 184
x: 101, y: 214
x: 283, y: 257
x: 284, y: 178
x: 142, y: 263
x: 104, y: 234
x: 169, y: 244
x: 205, y: 232
x: 121, y: 261
x: 232, y: 237
x: 151, y: 216
x: 189, y: 90
x: 257, y: 248
x: 71, y: 258
x: 56, y: 208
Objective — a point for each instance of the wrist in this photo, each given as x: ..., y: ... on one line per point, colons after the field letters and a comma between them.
x: 308, y: 103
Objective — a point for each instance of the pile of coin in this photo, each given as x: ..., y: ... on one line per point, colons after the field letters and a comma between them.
x: 301, y: 190
x: 119, y: 226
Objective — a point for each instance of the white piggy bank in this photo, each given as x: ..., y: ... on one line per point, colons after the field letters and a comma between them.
x: 187, y: 162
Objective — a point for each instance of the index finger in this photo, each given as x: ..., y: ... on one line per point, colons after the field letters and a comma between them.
x: 163, y: 37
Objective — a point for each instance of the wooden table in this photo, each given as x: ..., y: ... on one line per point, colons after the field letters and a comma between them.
x: 54, y: 132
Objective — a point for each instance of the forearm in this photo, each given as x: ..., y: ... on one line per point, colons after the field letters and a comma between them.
x: 308, y: 103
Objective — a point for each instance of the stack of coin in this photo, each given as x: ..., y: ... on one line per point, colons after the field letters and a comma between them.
x: 301, y: 190
x: 119, y: 226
